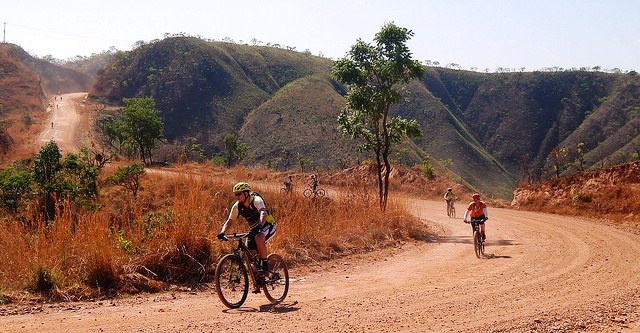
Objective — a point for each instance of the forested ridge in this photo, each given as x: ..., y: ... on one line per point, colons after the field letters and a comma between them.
x: 491, y: 130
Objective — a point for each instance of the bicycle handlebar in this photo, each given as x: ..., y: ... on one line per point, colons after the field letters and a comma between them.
x: 236, y: 235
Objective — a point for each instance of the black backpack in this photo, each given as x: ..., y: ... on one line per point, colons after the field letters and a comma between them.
x: 270, y: 218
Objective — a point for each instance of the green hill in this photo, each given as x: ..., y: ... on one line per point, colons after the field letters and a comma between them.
x: 487, y: 128
x: 283, y: 104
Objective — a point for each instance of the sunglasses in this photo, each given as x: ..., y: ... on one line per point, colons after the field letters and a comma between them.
x: 238, y: 194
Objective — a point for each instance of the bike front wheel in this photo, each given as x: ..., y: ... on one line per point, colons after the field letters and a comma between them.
x: 453, y: 212
x: 231, y: 281
x: 276, y: 285
x: 321, y: 192
x: 307, y: 193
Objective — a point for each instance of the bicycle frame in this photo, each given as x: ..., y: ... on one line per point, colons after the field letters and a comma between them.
x: 249, y: 259
x: 475, y: 225
x: 237, y: 271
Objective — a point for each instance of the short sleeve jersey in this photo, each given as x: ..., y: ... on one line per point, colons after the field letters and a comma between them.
x: 251, y: 213
x: 476, y: 209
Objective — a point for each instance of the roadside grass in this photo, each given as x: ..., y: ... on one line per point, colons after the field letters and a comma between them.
x: 166, y: 236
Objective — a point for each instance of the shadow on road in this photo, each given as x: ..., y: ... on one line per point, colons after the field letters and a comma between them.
x: 493, y: 256
x: 280, y: 308
x: 274, y: 308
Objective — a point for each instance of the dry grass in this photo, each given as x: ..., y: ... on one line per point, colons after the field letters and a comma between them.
x: 167, y: 234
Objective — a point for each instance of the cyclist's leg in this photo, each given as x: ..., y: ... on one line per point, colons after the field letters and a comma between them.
x: 253, y: 241
x: 262, y: 247
x: 481, y: 223
x: 261, y: 237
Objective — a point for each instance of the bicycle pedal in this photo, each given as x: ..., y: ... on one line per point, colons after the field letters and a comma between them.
x: 256, y: 291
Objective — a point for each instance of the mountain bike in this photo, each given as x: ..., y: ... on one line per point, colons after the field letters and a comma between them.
x: 478, y: 243
x: 236, y: 270
x: 286, y: 189
x: 310, y: 192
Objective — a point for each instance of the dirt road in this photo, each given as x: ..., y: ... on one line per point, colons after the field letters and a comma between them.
x: 64, y: 123
x: 544, y: 273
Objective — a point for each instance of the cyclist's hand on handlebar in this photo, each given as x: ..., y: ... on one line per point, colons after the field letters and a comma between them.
x: 485, y: 219
x: 221, y: 236
x: 465, y: 221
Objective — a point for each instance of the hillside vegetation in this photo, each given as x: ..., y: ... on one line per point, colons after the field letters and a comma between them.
x: 283, y: 104
x: 489, y: 130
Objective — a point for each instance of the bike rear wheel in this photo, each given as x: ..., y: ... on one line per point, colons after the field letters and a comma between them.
x: 276, y: 284
x: 231, y: 281
x: 307, y: 193
x: 477, y: 244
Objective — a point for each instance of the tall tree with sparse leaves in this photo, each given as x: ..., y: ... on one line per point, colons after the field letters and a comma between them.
x: 234, y: 149
x: 373, y: 75
x: 46, y: 167
x: 141, y: 125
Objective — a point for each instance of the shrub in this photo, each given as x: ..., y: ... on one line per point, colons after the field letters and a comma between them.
x: 44, y: 280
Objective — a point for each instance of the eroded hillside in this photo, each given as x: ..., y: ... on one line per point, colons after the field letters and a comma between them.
x: 610, y: 192
x: 22, y: 100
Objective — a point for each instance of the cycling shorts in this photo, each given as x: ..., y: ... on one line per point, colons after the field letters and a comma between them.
x: 268, y: 229
x: 478, y: 220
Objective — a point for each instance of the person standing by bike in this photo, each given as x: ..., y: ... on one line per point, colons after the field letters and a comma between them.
x: 313, y: 182
x: 449, y: 197
x: 477, y: 210
x: 288, y: 184
x: 251, y: 206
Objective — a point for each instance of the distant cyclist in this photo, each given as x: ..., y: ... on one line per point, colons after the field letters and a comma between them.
x: 449, y: 197
x: 477, y: 210
x: 313, y: 182
x: 288, y: 183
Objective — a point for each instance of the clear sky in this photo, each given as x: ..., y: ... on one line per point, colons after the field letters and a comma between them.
x: 480, y: 34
